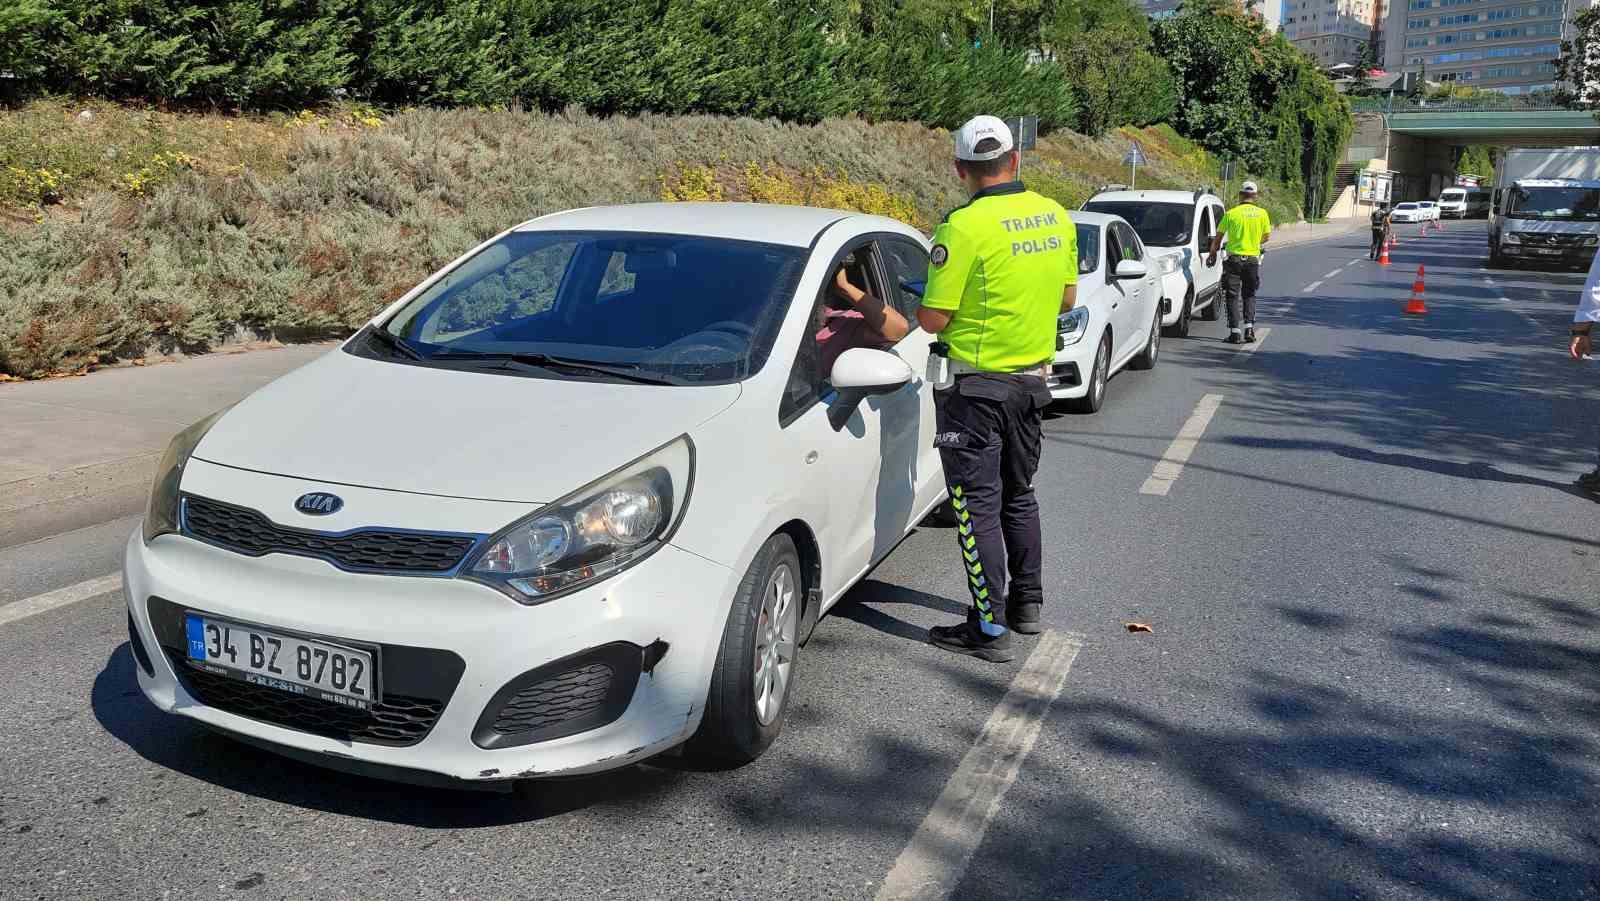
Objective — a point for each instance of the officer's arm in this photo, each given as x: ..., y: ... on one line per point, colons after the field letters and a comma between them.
x: 1069, y: 297
x: 934, y: 321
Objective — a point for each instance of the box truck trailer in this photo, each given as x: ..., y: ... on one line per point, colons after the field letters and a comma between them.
x: 1546, y: 207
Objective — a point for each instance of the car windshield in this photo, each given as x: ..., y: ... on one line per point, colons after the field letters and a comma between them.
x: 1406, y: 206
x: 1158, y: 224
x: 1452, y: 196
x: 1088, y: 248
x: 1554, y: 203
x: 635, y: 306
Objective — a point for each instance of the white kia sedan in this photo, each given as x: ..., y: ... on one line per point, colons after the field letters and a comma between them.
x: 1408, y: 212
x: 1117, y: 320
x: 575, y: 500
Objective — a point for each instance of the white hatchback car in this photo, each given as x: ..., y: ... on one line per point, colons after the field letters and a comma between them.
x: 1430, y: 210
x: 1408, y: 212
x: 1117, y: 320
x: 575, y: 500
x: 1176, y: 227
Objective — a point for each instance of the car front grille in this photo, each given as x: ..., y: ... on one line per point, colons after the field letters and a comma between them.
x: 416, y: 685
x: 1536, y: 239
x: 248, y: 532
x: 560, y: 698
x: 396, y: 720
x: 574, y: 694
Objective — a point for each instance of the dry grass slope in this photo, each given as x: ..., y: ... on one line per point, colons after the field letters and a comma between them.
x: 154, y: 232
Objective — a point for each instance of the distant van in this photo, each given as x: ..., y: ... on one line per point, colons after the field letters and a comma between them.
x: 1461, y: 203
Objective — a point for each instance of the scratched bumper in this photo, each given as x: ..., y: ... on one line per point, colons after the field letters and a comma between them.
x: 674, y: 603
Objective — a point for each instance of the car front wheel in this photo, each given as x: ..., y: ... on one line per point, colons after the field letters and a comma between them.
x: 755, y: 669
x: 1180, y: 329
x: 1152, y: 346
x: 1091, y: 401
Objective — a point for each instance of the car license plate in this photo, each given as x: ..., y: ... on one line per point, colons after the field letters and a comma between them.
x: 298, y: 665
x: 1549, y: 251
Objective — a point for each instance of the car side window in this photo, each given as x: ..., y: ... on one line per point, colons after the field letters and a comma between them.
x: 1129, y: 243
x: 827, y: 333
x: 1113, y: 249
x: 1206, y: 228
x: 908, y: 265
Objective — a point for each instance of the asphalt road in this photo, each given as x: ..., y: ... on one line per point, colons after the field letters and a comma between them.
x: 1374, y: 670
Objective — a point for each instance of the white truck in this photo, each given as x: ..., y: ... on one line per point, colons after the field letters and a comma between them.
x: 1546, y: 207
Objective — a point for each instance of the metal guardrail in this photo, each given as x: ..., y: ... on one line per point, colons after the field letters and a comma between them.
x: 1412, y: 105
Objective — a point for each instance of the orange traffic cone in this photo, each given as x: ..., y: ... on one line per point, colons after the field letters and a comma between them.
x: 1383, y: 256
x: 1415, y: 307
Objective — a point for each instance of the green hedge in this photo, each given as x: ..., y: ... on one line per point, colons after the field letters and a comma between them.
x: 796, y: 62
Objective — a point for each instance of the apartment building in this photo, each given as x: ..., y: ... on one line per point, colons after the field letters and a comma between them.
x: 1334, y: 32
x: 1503, y: 45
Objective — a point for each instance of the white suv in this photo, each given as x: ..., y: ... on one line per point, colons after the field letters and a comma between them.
x: 1176, y: 226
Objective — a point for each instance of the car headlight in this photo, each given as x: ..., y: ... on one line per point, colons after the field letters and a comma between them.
x: 1072, y: 325
x: 1513, y: 238
x: 1590, y: 240
x: 593, y: 533
x: 161, y: 515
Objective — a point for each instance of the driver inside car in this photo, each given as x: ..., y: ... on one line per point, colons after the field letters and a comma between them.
x: 851, y: 317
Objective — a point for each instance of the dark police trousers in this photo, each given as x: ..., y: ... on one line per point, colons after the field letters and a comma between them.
x: 989, y: 439
x: 1241, y: 276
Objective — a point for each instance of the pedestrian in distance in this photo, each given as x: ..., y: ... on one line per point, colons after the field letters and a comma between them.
x: 1581, y: 348
x: 1382, y: 222
x: 1003, y: 267
x: 1245, y: 228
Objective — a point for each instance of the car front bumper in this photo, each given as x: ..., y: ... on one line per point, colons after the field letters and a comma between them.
x: 1069, y: 373
x: 1576, y: 255
x: 657, y: 625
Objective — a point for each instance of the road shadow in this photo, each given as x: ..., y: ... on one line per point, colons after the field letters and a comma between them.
x: 866, y: 603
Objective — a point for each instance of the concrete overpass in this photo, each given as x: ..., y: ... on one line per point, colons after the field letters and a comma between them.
x: 1416, y: 143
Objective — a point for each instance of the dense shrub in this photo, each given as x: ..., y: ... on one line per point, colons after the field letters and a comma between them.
x: 796, y: 62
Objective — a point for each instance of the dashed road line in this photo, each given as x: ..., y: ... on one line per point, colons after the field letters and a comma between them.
x: 61, y: 597
x: 934, y: 861
x: 1248, y: 349
x: 1333, y: 274
x: 1170, y: 466
x: 1311, y: 287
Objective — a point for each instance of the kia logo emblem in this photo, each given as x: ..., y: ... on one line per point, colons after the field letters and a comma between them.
x: 318, y: 504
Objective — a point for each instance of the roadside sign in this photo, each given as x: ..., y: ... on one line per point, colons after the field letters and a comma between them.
x: 1227, y: 170
x: 1025, y: 131
x: 1134, y: 156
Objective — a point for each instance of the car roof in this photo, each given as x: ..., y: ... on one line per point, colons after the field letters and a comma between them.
x: 1166, y: 196
x: 796, y: 226
x: 1085, y: 217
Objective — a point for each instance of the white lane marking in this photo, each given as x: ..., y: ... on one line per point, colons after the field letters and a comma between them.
x: 1170, y: 466
x: 61, y: 597
x: 1523, y: 313
x: 1334, y: 273
x: 1248, y: 349
x: 1311, y: 287
x: 931, y: 865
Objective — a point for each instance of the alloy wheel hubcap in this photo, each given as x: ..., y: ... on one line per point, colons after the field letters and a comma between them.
x: 775, y: 643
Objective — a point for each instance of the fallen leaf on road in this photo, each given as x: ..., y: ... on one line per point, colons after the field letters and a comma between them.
x: 1140, y: 627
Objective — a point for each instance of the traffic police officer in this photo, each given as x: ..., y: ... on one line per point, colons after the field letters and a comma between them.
x: 1003, y: 267
x: 1246, y: 227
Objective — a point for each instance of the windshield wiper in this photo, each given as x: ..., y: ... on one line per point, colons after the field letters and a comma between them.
x: 626, y: 371
x: 396, y: 343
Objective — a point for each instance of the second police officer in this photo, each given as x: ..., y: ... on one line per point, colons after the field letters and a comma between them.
x: 1003, y: 267
x: 1246, y: 227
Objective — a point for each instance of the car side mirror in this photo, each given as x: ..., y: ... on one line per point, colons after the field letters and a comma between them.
x: 1131, y: 269
x: 918, y: 287
x: 859, y: 373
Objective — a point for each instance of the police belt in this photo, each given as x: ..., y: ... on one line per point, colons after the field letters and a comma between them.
x: 959, y: 368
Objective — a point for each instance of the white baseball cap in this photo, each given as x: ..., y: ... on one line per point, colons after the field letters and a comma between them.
x: 1248, y: 187
x: 978, y: 129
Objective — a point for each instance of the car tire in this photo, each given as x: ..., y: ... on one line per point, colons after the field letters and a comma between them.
x: 1213, y: 310
x: 741, y: 720
x: 1099, y: 374
x: 1180, y: 329
x: 1147, y: 358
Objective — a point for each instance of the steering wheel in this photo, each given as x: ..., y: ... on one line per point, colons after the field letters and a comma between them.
x: 732, y: 326
x: 729, y: 335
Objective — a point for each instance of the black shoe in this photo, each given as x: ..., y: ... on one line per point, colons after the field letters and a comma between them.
x: 965, y: 639
x: 1024, y: 618
x: 1249, y: 336
x: 1235, y: 338
x: 1590, y: 481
